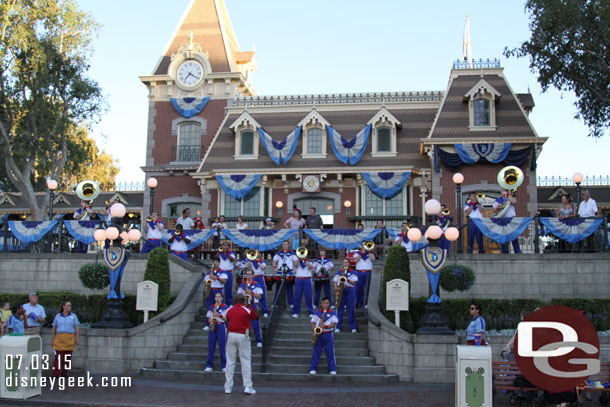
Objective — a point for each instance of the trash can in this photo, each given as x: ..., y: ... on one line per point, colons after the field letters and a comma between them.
x: 473, y: 376
x: 22, y: 366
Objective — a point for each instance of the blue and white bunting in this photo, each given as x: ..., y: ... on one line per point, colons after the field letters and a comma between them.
x: 572, y: 230
x: 492, y: 152
x: 197, y: 237
x: 349, y: 152
x: 502, y: 230
x: 260, y: 240
x: 3, y: 218
x: 386, y: 184
x: 238, y: 186
x: 189, y: 107
x: 30, y: 232
x: 417, y: 246
x: 280, y: 150
x: 342, y: 238
x: 82, y: 230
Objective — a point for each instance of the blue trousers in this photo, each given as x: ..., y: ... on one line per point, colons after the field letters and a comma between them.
x: 81, y: 247
x: 256, y: 325
x: 150, y: 244
x: 319, y: 285
x: 473, y: 231
x: 515, y: 244
x: 229, y: 288
x: 326, y: 341
x: 263, y: 299
x: 362, y: 287
x: 219, y: 335
x: 348, y: 299
x: 302, y: 287
x: 289, y: 292
x: 183, y: 255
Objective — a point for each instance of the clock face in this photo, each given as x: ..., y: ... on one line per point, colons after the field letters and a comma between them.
x: 190, y: 73
x: 311, y: 183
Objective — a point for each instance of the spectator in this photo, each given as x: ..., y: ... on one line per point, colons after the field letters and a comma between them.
x: 296, y: 221
x: 5, y: 313
x: 476, y: 325
x: 238, y: 341
x: 508, y: 349
x: 381, y: 239
x: 17, y: 322
x: 65, y: 338
x: 186, y: 221
x: 588, y: 207
x: 314, y: 221
x: 35, y: 314
x: 241, y: 224
x: 567, y: 208
x: 269, y: 224
x: 360, y: 226
x: 223, y: 225
x: 199, y: 223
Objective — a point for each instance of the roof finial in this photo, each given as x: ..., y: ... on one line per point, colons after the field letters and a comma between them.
x: 467, y: 51
x: 191, y: 40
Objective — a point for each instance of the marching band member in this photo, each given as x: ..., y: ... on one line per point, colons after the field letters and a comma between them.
x: 227, y: 257
x: 218, y: 334
x: 258, y: 268
x: 324, y: 266
x: 302, y: 287
x: 284, y: 262
x: 364, y: 266
x: 218, y: 278
x: 403, y: 239
x: 154, y: 229
x: 444, y: 221
x: 83, y: 214
x: 473, y: 211
x: 348, y: 299
x: 255, y: 291
x: 511, y: 201
x: 325, y: 339
x: 178, y: 242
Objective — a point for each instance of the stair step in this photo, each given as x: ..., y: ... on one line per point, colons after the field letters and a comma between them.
x: 352, y: 343
x: 281, y: 334
x: 217, y: 374
x: 279, y: 359
x: 300, y: 350
x: 203, y: 340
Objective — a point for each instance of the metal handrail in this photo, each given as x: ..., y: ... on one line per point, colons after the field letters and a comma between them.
x: 277, y: 308
x: 190, y: 297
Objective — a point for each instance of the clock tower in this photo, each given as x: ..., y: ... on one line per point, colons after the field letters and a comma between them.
x: 199, y: 71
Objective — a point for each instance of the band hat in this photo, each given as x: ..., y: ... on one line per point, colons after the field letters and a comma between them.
x: 268, y: 220
x: 33, y: 293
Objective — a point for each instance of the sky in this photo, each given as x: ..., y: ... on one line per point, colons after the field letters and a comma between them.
x: 333, y: 46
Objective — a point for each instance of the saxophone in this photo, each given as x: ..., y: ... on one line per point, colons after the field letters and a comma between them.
x: 248, y: 294
x: 208, y: 284
x: 214, y: 319
x: 318, y: 330
x: 342, y: 281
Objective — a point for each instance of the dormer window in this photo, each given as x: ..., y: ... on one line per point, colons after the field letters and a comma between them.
x: 314, y: 135
x: 481, y: 100
x: 384, y: 132
x: 246, y: 137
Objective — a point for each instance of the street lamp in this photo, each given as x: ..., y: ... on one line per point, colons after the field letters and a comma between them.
x: 279, y: 205
x: 577, y: 178
x: 52, y: 186
x: 348, y: 206
x: 152, y: 184
x: 458, y: 179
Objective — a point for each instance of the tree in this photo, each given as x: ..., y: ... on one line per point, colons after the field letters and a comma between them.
x: 44, y: 91
x: 569, y: 50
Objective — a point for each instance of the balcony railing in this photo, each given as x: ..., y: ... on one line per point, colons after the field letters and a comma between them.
x: 567, y: 181
x: 477, y: 64
x: 188, y: 153
x: 333, y: 99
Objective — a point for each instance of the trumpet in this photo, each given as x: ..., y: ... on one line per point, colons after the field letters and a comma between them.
x: 302, y: 252
x: 318, y: 330
x: 208, y: 287
x: 480, y: 196
x: 446, y: 212
x: 369, y: 245
x: 252, y: 254
x: 149, y: 219
x: 221, y: 249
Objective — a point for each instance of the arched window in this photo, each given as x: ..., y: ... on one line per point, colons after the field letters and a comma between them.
x: 384, y: 140
x: 189, y: 142
x: 314, y: 141
x: 481, y: 112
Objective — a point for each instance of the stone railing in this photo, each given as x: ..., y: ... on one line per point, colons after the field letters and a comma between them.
x: 334, y: 99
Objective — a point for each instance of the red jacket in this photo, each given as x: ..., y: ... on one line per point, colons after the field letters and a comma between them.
x: 239, y: 318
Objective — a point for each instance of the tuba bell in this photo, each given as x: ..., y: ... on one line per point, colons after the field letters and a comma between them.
x: 148, y: 218
x: 252, y: 254
x: 88, y: 190
x: 369, y: 245
x: 510, y: 178
x: 301, y: 252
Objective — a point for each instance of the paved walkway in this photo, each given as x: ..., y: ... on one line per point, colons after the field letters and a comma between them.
x: 153, y: 392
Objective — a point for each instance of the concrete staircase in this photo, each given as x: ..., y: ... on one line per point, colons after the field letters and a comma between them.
x: 288, y: 359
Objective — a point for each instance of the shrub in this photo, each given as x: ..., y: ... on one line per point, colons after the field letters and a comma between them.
x: 94, y: 276
x: 396, y: 266
x: 456, y: 278
x: 157, y: 270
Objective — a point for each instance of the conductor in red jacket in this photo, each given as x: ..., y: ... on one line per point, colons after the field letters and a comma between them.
x: 239, y: 317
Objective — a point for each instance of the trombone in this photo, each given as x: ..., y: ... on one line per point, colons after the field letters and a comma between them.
x: 446, y: 212
x: 302, y: 252
x: 252, y: 254
x: 369, y: 245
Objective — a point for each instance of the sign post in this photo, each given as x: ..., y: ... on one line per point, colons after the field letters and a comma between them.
x: 146, y: 300
x: 397, y: 297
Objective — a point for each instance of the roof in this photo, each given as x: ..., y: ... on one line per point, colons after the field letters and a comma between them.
x: 69, y: 202
x: 209, y: 22
x: 527, y: 100
x: 550, y: 197
x: 453, y: 118
x: 348, y: 122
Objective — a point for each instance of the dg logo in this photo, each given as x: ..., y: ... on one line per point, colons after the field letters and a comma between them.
x: 556, y: 348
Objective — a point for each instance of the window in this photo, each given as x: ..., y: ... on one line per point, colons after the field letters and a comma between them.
x: 314, y: 141
x: 481, y: 112
x: 384, y: 140
x: 189, y: 142
x: 325, y: 207
x: 175, y: 211
x: 376, y: 206
x: 249, y: 206
x: 247, y: 143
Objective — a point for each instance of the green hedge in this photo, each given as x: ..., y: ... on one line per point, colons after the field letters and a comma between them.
x: 456, y: 277
x: 88, y: 308
x: 157, y: 270
x: 502, y: 314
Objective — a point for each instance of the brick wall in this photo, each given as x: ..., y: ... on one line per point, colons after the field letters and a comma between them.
x: 173, y: 187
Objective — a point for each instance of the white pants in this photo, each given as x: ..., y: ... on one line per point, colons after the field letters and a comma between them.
x: 238, y: 343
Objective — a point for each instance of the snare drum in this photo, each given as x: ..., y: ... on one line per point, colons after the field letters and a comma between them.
x: 290, y: 279
x: 240, y: 277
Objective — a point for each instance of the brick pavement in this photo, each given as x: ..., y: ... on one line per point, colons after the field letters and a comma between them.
x: 153, y: 392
